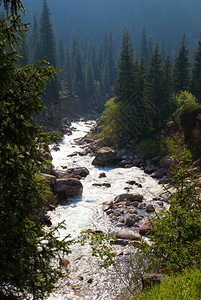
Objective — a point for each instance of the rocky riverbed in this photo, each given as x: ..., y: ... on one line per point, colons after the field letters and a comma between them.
x: 119, y: 192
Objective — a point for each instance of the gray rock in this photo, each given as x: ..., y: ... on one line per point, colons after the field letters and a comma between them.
x: 105, y: 157
x: 66, y: 188
x: 159, y: 173
x: 81, y: 171
x: 149, y: 207
x: 128, y: 197
x: 127, y: 234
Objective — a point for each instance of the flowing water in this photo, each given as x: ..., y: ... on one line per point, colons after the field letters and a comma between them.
x: 83, y: 212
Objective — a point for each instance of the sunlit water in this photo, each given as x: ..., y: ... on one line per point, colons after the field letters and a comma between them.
x: 83, y: 212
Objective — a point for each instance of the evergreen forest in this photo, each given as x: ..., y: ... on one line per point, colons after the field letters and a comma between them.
x: 138, y: 77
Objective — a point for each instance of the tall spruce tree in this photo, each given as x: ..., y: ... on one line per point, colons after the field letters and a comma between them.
x: 48, y: 49
x: 89, y: 81
x: 24, y: 52
x: 34, y: 48
x: 144, y: 46
x: 153, y: 88
x: 124, y: 85
x: 126, y: 92
x: 78, y: 80
x: 60, y: 54
x: 182, y: 68
x: 196, y: 73
x: 67, y: 72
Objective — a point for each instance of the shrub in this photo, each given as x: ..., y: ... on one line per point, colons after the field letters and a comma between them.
x: 187, y: 117
x: 149, y: 147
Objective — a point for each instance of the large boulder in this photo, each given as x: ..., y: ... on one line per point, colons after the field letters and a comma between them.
x: 159, y: 173
x: 81, y: 171
x: 66, y: 188
x: 105, y: 157
x: 128, y: 197
x: 127, y: 234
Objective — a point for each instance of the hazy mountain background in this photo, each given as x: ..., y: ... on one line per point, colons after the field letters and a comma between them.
x: 91, y: 19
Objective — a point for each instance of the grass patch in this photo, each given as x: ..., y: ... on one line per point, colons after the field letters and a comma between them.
x: 185, y: 286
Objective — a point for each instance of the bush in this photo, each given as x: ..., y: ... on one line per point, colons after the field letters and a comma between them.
x: 187, y: 117
x: 149, y: 147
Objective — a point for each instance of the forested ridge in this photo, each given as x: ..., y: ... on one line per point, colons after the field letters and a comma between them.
x: 154, y: 109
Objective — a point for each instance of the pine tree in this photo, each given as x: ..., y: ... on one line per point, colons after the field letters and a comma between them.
x: 29, y: 252
x: 94, y: 64
x: 67, y: 72
x: 163, y: 49
x: 89, y: 81
x: 48, y: 49
x: 34, y: 40
x: 153, y: 88
x: 60, y: 54
x: 106, y: 87
x: 78, y: 80
x: 24, y: 52
x: 47, y: 38
x: 182, y: 68
x: 131, y: 106
x: 111, y: 62
x: 144, y: 46
x: 124, y: 86
x: 196, y: 73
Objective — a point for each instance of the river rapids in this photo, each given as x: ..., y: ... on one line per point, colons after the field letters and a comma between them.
x: 85, y: 279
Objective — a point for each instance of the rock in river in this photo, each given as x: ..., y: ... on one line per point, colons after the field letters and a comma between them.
x: 127, y: 234
x: 128, y: 197
x: 66, y: 188
x: 105, y: 157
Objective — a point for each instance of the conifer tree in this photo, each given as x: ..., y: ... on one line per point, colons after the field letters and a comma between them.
x: 124, y: 85
x: 24, y: 53
x: 106, y: 79
x: 89, y: 81
x: 34, y: 48
x: 144, y: 46
x: 94, y: 64
x: 111, y: 62
x: 48, y: 49
x: 67, y: 72
x: 131, y: 105
x: 78, y: 80
x: 60, y: 54
x: 153, y: 88
x: 29, y: 252
x: 182, y: 68
x: 196, y: 73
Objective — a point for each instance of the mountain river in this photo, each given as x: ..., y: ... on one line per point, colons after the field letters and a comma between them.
x: 85, y: 279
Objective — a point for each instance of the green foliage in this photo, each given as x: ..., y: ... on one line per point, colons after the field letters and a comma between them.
x: 29, y: 252
x: 186, y: 285
x: 184, y: 97
x: 101, y: 246
x: 196, y: 73
x: 176, y: 236
x: 110, y: 130
x: 187, y: 117
x: 149, y: 147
